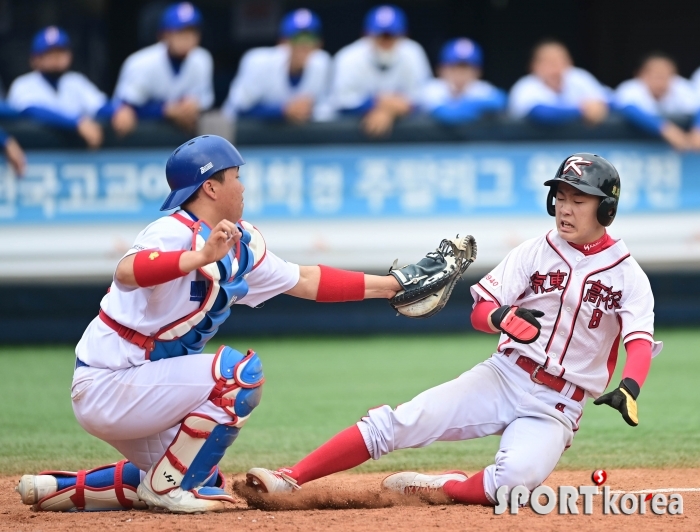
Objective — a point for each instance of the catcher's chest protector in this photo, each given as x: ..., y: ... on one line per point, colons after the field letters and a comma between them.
x: 226, y: 284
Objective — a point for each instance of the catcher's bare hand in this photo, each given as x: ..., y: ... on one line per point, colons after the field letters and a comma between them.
x: 223, y: 237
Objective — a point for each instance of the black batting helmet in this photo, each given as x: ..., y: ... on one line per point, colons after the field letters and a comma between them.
x: 593, y: 175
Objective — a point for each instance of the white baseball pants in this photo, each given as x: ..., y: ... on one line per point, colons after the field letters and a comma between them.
x: 138, y: 410
x: 495, y: 397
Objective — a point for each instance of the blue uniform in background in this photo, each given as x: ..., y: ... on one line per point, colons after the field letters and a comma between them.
x: 472, y: 101
x: 531, y: 98
x: 362, y: 71
x: 151, y: 77
x: 637, y: 104
x: 264, y: 84
x: 59, y: 100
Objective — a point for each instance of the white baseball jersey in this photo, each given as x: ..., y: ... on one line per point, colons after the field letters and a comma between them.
x: 147, y: 75
x: 75, y: 95
x: 589, y: 303
x: 679, y: 99
x: 357, y: 76
x: 263, y: 78
x: 147, y: 310
x: 578, y: 86
x: 437, y: 92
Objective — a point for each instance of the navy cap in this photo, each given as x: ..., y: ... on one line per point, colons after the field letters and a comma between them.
x: 300, y: 21
x: 386, y: 19
x: 180, y: 16
x: 461, y: 51
x: 48, y: 39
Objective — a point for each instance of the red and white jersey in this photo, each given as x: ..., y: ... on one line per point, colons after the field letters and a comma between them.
x: 589, y: 304
x: 148, y: 310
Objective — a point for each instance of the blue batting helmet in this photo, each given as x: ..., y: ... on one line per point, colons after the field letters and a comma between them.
x: 193, y: 163
x: 180, y: 16
x: 459, y: 51
x: 385, y: 19
x: 48, y: 39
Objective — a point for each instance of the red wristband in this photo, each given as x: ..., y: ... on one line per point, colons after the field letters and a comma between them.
x: 480, y: 316
x: 152, y: 267
x: 337, y: 285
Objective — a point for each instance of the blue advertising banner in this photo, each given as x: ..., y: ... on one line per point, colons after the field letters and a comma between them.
x: 410, y: 180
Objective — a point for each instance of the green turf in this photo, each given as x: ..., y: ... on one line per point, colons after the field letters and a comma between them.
x: 316, y: 387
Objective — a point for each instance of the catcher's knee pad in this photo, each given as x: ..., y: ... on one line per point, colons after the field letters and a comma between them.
x: 239, y: 381
x: 110, y: 487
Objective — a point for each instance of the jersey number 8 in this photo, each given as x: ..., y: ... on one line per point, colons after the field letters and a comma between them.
x: 595, y: 319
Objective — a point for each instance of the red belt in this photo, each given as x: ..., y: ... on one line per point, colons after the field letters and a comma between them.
x: 130, y: 335
x: 540, y: 376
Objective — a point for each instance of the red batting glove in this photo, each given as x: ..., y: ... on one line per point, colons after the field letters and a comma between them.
x: 520, y: 324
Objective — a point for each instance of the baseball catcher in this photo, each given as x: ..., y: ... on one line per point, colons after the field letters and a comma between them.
x: 143, y: 382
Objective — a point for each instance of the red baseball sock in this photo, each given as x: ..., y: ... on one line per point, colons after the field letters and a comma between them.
x: 471, y: 491
x: 343, y: 451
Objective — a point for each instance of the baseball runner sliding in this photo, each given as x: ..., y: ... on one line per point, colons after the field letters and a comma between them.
x: 141, y: 382
x: 561, y: 303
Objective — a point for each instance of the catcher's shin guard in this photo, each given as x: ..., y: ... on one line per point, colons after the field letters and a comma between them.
x: 110, y: 487
x: 192, y: 457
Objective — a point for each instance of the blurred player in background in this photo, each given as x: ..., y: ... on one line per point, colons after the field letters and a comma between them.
x: 14, y: 153
x: 382, y: 74
x: 556, y: 92
x: 458, y: 95
x: 655, y: 93
x: 695, y: 81
x: 287, y: 81
x: 173, y: 78
x: 53, y: 95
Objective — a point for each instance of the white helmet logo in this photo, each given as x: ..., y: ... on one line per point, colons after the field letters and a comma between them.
x: 573, y: 164
x: 206, y: 167
x: 302, y: 18
x: 185, y: 12
x: 385, y: 16
x: 464, y: 48
x: 51, y: 35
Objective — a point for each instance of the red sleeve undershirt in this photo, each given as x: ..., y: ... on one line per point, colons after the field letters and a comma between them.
x: 480, y: 316
x: 638, y: 360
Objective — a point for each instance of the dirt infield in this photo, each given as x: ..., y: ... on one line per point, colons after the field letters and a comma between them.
x: 370, y: 509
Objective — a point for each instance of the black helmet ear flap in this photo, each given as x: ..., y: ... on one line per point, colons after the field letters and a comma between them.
x: 606, y: 211
x: 550, y: 200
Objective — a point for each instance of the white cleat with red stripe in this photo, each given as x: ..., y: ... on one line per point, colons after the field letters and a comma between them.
x: 409, y: 482
x: 267, y: 481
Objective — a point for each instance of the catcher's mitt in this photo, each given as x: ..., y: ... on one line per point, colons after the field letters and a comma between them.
x: 428, y: 284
